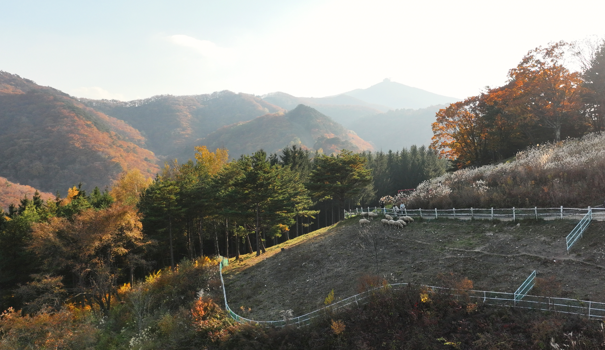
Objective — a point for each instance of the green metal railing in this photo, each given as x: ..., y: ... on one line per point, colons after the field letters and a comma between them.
x: 525, y: 287
x: 577, y: 232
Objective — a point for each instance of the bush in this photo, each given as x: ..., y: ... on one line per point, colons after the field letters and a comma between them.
x: 569, y: 173
x: 45, y: 330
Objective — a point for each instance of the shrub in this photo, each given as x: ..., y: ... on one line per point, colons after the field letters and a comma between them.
x: 45, y: 330
x: 570, y: 173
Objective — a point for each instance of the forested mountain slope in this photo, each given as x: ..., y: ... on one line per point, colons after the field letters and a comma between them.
x: 341, y: 108
x: 303, y: 126
x: 12, y: 193
x: 51, y: 141
x: 173, y: 122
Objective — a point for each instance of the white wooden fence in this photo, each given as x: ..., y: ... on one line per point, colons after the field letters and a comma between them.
x: 488, y: 213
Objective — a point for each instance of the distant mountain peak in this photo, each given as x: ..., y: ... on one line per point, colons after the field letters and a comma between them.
x: 399, y: 96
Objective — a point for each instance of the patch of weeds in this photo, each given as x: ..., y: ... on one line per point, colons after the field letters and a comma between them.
x: 464, y: 242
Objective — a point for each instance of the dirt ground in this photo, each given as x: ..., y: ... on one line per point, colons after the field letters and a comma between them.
x: 497, y: 256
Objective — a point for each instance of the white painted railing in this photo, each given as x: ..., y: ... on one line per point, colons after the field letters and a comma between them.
x: 487, y: 213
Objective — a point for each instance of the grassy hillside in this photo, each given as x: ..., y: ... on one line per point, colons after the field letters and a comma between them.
x: 303, y: 126
x: 51, y: 141
x: 495, y: 256
x: 569, y: 173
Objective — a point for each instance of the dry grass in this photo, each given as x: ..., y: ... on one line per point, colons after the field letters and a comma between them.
x: 568, y: 173
x: 493, y: 255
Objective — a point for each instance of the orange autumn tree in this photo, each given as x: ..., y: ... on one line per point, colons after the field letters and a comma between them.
x: 541, y: 102
x: 460, y: 133
x: 544, y: 90
x: 93, y: 248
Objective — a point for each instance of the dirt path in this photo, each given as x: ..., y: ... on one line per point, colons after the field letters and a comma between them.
x: 494, y: 255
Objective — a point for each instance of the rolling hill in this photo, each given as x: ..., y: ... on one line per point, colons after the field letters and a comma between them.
x: 302, y: 126
x: 342, y: 109
x: 173, y: 122
x: 51, y: 141
x: 12, y: 193
x: 497, y: 256
x: 390, y: 115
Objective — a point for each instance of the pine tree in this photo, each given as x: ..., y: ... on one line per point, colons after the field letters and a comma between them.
x: 341, y: 177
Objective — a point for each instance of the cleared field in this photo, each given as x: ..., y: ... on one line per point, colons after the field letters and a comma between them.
x: 496, y: 256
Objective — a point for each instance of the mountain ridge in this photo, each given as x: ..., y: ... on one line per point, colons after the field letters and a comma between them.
x: 172, y: 122
x: 51, y: 141
x: 302, y: 126
x: 399, y: 96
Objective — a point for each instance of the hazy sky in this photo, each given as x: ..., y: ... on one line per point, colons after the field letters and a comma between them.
x: 137, y: 49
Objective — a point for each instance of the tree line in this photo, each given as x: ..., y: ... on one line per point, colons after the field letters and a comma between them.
x: 83, y: 246
x: 542, y: 101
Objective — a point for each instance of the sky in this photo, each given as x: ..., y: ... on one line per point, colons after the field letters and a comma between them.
x: 132, y: 49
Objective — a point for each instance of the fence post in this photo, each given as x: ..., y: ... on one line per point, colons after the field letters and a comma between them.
x: 492, y: 213
x: 589, y: 307
x: 420, y: 212
x: 514, y: 218
x: 590, y: 211
x: 436, y: 213
x: 472, y: 215
x: 454, y: 212
x: 561, y: 212
x: 536, y: 211
x: 406, y: 211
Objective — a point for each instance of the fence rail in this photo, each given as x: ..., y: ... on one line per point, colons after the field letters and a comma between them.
x: 590, y: 309
x: 525, y: 287
x: 519, y: 298
x: 488, y: 213
x: 577, y: 232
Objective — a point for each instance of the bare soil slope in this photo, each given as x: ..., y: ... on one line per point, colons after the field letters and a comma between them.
x: 496, y: 256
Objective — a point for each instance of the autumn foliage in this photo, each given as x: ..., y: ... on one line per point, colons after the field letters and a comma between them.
x: 51, y: 141
x: 541, y: 102
x: 12, y: 193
